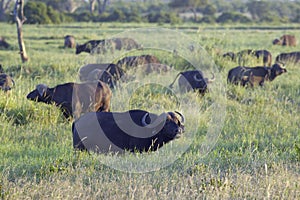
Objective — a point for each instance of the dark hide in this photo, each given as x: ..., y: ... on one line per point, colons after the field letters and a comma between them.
x: 74, y: 98
x: 120, y: 131
x: 254, y: 75
x: 293, y: 57
x: 88, y: 46
x: 6, y: 81
x: 192, y: 80
x: 239, y: 57
x: 69, y: 41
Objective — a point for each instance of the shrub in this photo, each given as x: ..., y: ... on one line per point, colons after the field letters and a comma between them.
x: 228, y: 17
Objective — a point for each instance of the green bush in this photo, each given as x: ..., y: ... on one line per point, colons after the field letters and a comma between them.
x: 228, y: 17
x: 40, y: 13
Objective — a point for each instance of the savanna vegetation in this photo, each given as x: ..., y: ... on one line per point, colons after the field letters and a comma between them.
x: 248, y: 146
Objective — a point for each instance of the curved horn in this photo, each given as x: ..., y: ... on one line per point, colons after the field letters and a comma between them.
x: 212, y: 79
x: 196, y: 78
x: 144, y: 119
x: 182, y: 117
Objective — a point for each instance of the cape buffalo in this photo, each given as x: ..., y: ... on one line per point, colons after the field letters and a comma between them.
x: 88, y: 46
x: 192, y: 80
x: 254, y: 75
x: 106, y: 72
x: 3, y: 43
x: 130, y: 62
x: 102, y: 46
x: 265, y: 55
x: 74, y: 98
x: 286, y: 40
x: 69, y: 41
x: 6, y: 81
x: 293, y: 57
x: 116, y: 44
x: 134, y: 130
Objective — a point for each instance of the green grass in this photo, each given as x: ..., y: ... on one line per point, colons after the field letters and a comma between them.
x: 255, y: 154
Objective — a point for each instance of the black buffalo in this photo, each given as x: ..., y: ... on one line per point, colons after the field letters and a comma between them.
x: 3, y: 43
x: 265, y: 55
x: 69, y: 41
x: 88, y: 46
x: 192, y: 80
x: 6, y: 81
x: 134, y: 131
x: 74, y: 98
x: 131, y: 62
x: 254, y: 75
x: 293, y: 57
x: 108, y: 73
x: 102, y: 46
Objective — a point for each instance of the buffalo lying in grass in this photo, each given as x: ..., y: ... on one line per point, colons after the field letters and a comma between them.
x: 74, y: 98
x: 286, y: 40
x: 69, y: 41
x: 134, y: 130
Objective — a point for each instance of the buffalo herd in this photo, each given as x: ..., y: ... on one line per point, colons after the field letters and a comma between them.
x: 96, y: 128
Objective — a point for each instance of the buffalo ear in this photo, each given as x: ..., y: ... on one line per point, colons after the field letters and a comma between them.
x: 42, y: 89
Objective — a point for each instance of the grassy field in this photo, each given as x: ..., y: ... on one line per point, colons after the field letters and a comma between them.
x: 239, y: 143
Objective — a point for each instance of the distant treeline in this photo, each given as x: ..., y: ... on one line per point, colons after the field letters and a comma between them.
x: 155, y: 11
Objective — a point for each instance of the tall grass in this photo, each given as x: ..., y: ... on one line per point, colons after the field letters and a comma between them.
x: 253, y: 156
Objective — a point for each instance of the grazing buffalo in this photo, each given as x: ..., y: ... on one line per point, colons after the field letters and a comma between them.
x: 3, y: 43
x: 134, y: 130
x: 254, y: 75
x: 102, y: 46
x: 74, y: 98
x: 69, y: 41
x: 6, y: 81
x: 293, y: 57
x: 265, y: 55
x: 130, y: 62
x: 192, y: 80
x: 116, y: 44
x: 88, y: 46
x: 107, y: 73
x: 286, y: 40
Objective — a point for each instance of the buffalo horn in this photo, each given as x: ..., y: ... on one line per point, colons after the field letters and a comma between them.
x: 144, y: 119
x: 182, y: 117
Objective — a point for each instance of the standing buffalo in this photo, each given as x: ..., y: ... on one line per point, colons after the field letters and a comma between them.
x: 74, y: 98
x: 134, y: 130
x: 6, y: 81
x: 286, y: 40
x: 254, y: 75
x: 102, y: 46
x: 69, y: 41
x: 265, y: 55
x: 192, y: 80
x: 293, y: 57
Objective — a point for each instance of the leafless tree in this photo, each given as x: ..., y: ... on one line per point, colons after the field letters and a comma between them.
x: 20, y: 19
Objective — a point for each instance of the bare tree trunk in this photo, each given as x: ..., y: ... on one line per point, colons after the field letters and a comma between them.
x: 102, y: 7
x: 19, y: 22
x: 92, y: 5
